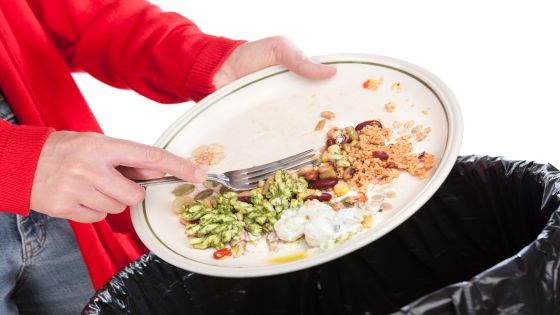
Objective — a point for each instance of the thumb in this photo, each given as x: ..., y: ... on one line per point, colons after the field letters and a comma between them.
x: 288, y: 55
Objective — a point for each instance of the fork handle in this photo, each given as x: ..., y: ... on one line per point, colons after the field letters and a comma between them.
x: 157, y: 181
x: 170, y: 179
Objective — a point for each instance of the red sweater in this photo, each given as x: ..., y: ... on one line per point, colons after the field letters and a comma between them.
x: 127, y: 44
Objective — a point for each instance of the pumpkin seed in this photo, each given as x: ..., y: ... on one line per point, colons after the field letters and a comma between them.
x: 210, y: 184
x: 204, y: 194
x: 180, y: 202
x: 183, y: 189
x: 224, y: 190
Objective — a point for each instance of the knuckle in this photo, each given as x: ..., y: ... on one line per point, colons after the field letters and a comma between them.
x: 91, y: 141
x: 186, y: 168
x: 278, y: 44
x: 154, y: 155
x: 135, y: 197
x: 121, y: 208
x: 279, y: 40
x: 99, y: 216
x: 61, y: 210
x: 76, y: 168
x: 93, y: 217
x: 118, y: 208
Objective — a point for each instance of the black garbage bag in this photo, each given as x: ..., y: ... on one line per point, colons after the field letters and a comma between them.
x: 487, y: 242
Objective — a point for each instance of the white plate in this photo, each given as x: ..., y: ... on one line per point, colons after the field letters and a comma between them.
x: 271, y: 114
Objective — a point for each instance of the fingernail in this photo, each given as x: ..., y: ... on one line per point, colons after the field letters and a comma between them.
x: 199, y: 175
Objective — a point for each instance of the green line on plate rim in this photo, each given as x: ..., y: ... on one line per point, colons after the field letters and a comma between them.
x: 285, y: 71
x: 154, y: 233
x: 258, y: 80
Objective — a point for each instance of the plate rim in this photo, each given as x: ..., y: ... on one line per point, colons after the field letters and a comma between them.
x: 454, y: 139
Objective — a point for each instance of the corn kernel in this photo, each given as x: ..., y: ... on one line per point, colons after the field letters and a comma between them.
x: 334, y: 148
x: 325, y: 157
x: 341, y: 188
x: 368, y: 221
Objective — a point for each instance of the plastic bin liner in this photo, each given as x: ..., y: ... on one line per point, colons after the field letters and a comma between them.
x: 487, y: 242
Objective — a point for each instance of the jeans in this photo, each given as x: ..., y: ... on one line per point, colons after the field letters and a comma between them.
x: 5, y: 110
x: 41, y: 268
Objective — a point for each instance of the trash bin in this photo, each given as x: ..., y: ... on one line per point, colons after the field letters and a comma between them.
x: 487, y: 242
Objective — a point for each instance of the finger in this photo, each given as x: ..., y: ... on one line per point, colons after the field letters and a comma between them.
x: 131, y: 154
x: 288, y: 55
x: 139, y: 173
x: 100, y: 202
x: 115, y: 185
x: 84, y: 214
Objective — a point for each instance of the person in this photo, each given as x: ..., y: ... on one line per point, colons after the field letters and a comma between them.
x: 53, y: 157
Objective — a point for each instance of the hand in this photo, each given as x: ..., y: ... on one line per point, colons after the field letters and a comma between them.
x: 252, y: 56
x: 83, y: 176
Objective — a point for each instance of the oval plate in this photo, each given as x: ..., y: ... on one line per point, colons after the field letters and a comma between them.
x: 271, y: 114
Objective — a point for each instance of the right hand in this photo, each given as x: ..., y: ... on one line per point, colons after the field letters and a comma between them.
x: 83, y: 176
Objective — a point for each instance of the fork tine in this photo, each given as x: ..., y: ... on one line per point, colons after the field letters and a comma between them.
x: 247, y: 178
x: 256, y: 170
x: 255, y: 179
x: 243, y: 187
x: 272, y: 169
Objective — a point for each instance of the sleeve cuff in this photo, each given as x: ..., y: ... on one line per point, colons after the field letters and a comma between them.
x: 20, y: 147
x: 210, y: 59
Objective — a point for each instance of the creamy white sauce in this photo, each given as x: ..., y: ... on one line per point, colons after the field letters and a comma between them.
x: 320, y: 224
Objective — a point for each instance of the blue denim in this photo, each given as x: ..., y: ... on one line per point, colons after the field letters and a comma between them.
x: 41, y: 268
x: 6, y: 111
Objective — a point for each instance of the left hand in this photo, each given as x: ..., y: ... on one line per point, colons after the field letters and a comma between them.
x: 252, y: 56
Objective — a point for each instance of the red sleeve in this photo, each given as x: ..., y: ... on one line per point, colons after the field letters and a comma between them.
x: 133, y: 44
x: 20, y: 147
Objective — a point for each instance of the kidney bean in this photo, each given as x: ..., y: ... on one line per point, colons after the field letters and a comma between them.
x: 244, y: 196
x: 322, y: 197
x: 382, y: 155
x: 244, y: 199
x: 330, y: 141
x: 364, y: 124
x: 421, y: 155
x: 323, y: 183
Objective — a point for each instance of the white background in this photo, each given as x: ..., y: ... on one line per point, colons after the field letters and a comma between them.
x: 500, y: 58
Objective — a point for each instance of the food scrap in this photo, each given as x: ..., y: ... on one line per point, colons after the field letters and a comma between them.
x: 327, y: 115
x: 372, y: 84
x: 390, y: 107
x: 320, y: 125
x: 221, y: 253
x: 319, y: 205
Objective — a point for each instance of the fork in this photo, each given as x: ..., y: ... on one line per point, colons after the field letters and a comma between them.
x: 248, y: 178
